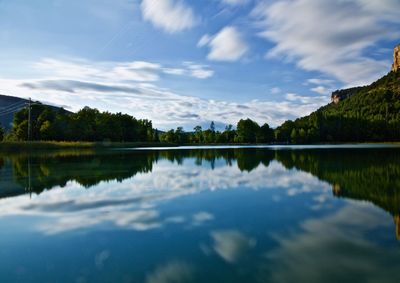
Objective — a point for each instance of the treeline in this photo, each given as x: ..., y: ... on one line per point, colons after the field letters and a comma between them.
x: 88, y: 124
x: 247, y: 131
x: 85, y: 125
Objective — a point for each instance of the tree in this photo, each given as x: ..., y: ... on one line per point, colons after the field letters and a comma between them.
x: 198, y: 134
x: 246, y: 131
x: 265, y: 134
x: 212, y: 126
x: 283, y: 132
x: 293, y: 136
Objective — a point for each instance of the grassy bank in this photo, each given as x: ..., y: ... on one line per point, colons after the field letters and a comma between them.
x: 56, y: 145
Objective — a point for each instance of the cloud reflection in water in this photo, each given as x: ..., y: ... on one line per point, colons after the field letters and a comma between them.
x: 133, y: 203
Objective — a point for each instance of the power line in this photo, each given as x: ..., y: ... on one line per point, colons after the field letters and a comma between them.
x: 11, y: 110
x: 12, y: 105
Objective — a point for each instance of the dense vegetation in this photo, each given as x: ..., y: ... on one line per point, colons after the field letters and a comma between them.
x: 86, y: 125
x: 364, y: 114
x: 370, y: 113
x: 247, y: 131
x: 49, y: 124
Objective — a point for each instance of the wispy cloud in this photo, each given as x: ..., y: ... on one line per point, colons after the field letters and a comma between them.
x: 133, y: 87
x: 235, y: 2
x: 321, y: 86
x: 227, y: 45
x: 170, y: 15
x: 330, y: 36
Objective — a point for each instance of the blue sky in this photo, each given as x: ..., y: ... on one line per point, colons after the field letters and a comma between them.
x: 186, y: 62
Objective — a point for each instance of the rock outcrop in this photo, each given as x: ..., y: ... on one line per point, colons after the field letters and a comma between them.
x: 396, y: 59
x: 342, y: 94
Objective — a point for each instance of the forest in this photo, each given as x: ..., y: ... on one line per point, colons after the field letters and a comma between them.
x: 365, y: 114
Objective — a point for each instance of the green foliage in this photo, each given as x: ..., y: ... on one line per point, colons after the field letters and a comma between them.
x: 367, y: 114
x: 265, y: 134
x: 246, y: 131
x: 86, y: 125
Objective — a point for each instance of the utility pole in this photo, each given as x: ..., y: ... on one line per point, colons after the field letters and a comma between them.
x: 29, y: 119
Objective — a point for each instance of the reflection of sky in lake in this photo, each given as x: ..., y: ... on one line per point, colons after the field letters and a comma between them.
x: 136, y: 203
x: 184, y: 222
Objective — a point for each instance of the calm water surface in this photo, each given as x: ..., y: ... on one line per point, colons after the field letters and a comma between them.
x: 303, y: 214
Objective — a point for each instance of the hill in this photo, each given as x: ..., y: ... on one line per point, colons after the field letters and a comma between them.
x: 9, y: 105
x: 361, y: 114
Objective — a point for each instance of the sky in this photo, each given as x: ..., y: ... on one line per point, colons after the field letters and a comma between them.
x: 190, y: 62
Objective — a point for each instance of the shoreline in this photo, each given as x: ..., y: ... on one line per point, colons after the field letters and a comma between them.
x: 56, y: 145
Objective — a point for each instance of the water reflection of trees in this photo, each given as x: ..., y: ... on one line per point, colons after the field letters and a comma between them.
x: 39, y: 172
x: 363, y: 174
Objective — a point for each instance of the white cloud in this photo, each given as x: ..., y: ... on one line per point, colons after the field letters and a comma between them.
x: 140, y: 71
x: 317, y: 81
x: 199, y: 71
x: 137, y: 71
x: 174, y: 71
x: 170, y: 15
x: 321, y: 100
x: 331, y: 36
x: 227, y: 45
x: 131, y: 87
x: 204, y: 40
x: 321, y: 90
x: 235, y: 2
x: 322, y: 86
x: 231, y: 245
x: 191, y: 69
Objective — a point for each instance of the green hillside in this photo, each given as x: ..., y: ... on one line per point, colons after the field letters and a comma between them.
x: 368, y: 113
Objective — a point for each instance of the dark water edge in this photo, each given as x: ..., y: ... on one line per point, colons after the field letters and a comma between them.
x: 243, y: 214
x: 34, y: 146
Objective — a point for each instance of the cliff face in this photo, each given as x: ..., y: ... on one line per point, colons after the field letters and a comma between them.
x: 340, y: 95
x: 396, y: 59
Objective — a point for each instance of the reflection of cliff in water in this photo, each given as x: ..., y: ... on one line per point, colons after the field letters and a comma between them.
x: 363, y: 174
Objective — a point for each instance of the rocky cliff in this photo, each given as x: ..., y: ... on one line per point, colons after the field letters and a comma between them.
x: 340, y: 95
x: 396, y: 59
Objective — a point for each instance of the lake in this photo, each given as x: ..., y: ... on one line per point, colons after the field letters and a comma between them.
x: 252, y: 214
